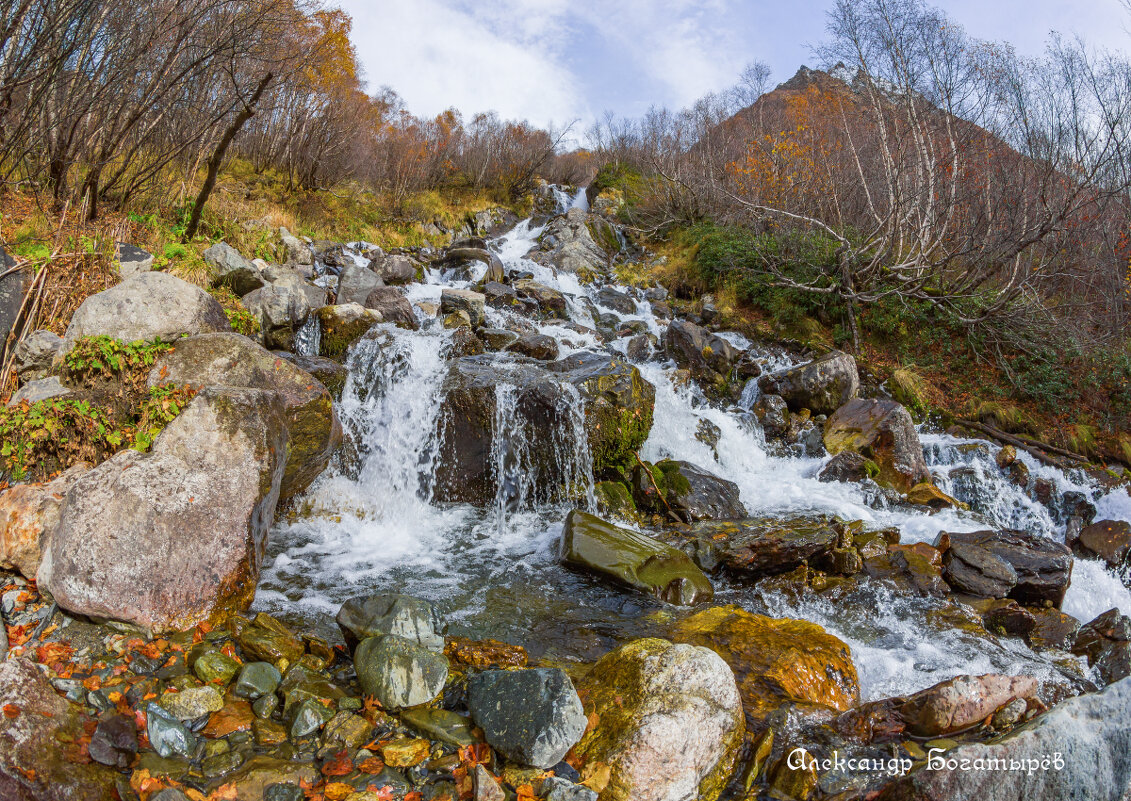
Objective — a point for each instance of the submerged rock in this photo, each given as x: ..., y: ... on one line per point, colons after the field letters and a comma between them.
x: 669, y: 722
x: 399, y: 672
x: 151, y: 305
x: 775, y: 660
x: 33, y: 762
x: 822, y: 386
x: 156, y: 539
x: 591, y: 544
x: 532, y: 717
x: 883, y: 432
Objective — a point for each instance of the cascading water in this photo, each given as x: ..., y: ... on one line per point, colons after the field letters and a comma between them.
x: 371, y: 522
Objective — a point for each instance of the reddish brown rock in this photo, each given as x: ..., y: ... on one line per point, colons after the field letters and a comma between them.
x: 884, y: 432
x: 235, y: 716
x: 961, y: 702
x: 1109, y: 540
x: 28, y: 512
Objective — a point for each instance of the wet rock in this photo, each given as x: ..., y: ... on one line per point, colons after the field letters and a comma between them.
x: 471, y: 303
x: 688, y: 491
x: 498, y: 338
x: 959, y: 703
x: 33, y: 764
x: 257, y: 679
x: 976, y: 571
x: 235, y: 716
x: 883, y: 432
x: 641, y: 348
x: 192, y: 702
x: 578, y: 242
x: 822, y: 386
x: 627, y: 557
x: 399, y: 672
x: 927, y: 494
x: 710, y: 358
x: 536, y: 346
x: 114, y: 741
x: 499, y: 295
x: 1106, y: 642
x: 270, y: 641
x: 1052, y: 629
x: 618, y: 415
x: 28, y: 514
x: 647, y: 696
x: 232, y: 360
x: 258, y: 774
x: 391, y: 303
x: 342, y: 326
x: 164, y: 517
x: 457, y: 319
x: 167, y: 735
x: 390, y: 613
x: 772, y: 414
x: 847, y: 466
x: 914, y: 568
x: 1088, y: 732
x: 232, y: 270
x: 306, y: 718
x: 355, y: 283
x: 464, y: 342
x: 328, y: 372
x: 1043, y: 567
x: 532, y: 716
x: 558, y: 789
x: 1109, y: 540
x: 394, y: 269
x: 34, y: 354
x: 440, y: 724
x: 215, y: 667
x: 550, y: 302
x: 759, y: 546
x: 1008, y: 617
x: 617, y: 301
x: 775, y: 660
x: 281, y: 311
x: 486, y: 788
x: 147, y: 306
x: 347, y: 730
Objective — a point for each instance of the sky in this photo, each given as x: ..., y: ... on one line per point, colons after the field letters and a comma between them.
x: 556, y: 61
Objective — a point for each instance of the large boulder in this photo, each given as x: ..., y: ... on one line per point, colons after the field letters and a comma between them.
x: 550, y: 302
x: 28, y: 513
x: 758, y: 546
x: 883, y: 432
x: 568, y: 243
x: 355, y: 283
x: 776, y: 660
x: 821, y: 386
x: 1079, y: 749
x: 281, y: 310
x: 173, y: 537
x: 35, y: 353
x: 35, y: 762
x: 709, y: 358
x: 390, y: 302
x: 147, y: 306
x: 394, y: 269
x: 471, y: 303
x: 1109, y: 540
x: 1040, y: 568
x: 232, y: 270
x: 532, y: 717
x: 689, y: 492
x: 628, y: 557
x: 543, y: 425
x: 232, y: 360
x: 669, y: 722
x: 343, y: 325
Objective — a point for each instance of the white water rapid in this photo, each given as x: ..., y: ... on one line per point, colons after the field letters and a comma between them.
x: 370, y: 524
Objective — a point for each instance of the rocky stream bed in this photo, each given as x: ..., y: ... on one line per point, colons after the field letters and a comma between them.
x: 481, y: 522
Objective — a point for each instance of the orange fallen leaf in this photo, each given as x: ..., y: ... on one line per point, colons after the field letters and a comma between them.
x: 371, y: 765
x: 338, y: 791
x: 340, y: 765
x: 11, y: 710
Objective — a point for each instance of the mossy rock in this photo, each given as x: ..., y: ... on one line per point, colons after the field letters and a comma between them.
x: 615, y: 500
x: 342, y: 326
x: 776, y: 660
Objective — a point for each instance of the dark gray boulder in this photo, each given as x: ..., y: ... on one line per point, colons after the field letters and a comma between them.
x: 821, y: 386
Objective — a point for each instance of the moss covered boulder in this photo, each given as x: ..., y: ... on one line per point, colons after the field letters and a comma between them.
x: 883, y: 432
x: 233, y: 360
x: 776, y: 660
x: 668, y: 722
x: 628, y: 557
x: 685, y: 490
x: 342, y: 326
x: 587, y: 411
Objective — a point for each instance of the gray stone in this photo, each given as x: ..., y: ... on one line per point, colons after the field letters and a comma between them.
x: 167, y: 735
x: 532, y: 717
x: 298, y: 251
x: 822, y: 386
x: 537, y: 346
x: 393, y: 306
x: 42, y: 389
x: 390, y: 613
x: 132, y: 259
x: 156, y: 539
x: 497, y: 338
x: 192, y: 702
x: 308, y: 717
x: 555, y: 789
x: 689, y: 491
x: 355, y: 283
x: 35, y: 353
x: 147, y: 306
x: 399, y: 672
x: 256, y: 680
x: 440, y: 724
x: 472, y: 303
x: 395, y: 269
x: 13, y: 288
x: 232, y: 270
x: 281, y: 311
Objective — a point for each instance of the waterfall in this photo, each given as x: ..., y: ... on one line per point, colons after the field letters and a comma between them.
x: 371, y: 521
